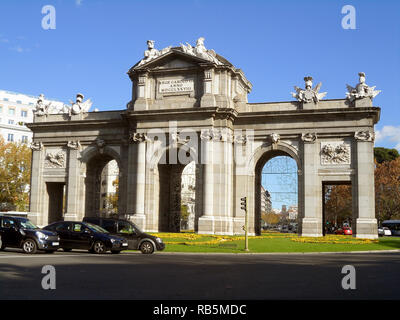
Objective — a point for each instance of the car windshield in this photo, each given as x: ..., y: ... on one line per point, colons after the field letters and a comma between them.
x: 138, y: 230
x: 26, y: 224
x: 96, y: 228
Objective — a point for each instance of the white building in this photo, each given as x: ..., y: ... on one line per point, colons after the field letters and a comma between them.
x: 108, y: 188
x: 16, y: 109
x: 266, y: 204
x: 293, y: 211
x: 188, y: 193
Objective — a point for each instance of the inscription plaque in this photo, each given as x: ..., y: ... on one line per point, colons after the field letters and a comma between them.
x: 175, y: 86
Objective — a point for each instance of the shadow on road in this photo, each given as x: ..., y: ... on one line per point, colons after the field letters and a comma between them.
x: 136, y: 276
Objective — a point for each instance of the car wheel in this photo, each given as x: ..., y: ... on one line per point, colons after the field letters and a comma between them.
x: 99, y: 247
x: 146, y: 247
x: 29, y: 246
x: 115, y: 251
x: 1, y: 245
x: 67, y: 249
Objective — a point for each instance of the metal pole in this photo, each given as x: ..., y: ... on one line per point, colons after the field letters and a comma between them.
x: 246, y: 247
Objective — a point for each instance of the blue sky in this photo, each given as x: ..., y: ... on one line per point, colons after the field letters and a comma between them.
x: 275, y: 43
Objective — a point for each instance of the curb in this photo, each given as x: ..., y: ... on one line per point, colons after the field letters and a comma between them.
x: 273, y: 253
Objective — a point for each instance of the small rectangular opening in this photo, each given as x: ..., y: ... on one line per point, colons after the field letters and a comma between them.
x: 56, y: 192
x: 337, y: 209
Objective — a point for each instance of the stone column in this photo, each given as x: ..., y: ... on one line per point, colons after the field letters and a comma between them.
x: 312, y: 188
x: 73, y: 187
x: 364, y: 188
x: 222, y: 177
x: 206, y: 221
x: 137, y: 180
x: 37, y: 192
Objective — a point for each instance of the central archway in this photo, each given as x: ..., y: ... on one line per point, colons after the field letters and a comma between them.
x: 262, y: 156
x: 102, y: 184
x: 170, y: 204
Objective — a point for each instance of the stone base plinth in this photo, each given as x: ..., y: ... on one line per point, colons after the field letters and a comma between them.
x: 363, y: 103
x: 223, y: 226
x: 238, y: 227
x: 311, y: 227
x: 207, y: 100
x: 366, y: 228
x: 206, y: 225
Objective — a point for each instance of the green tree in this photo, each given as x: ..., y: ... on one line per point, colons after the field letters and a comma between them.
x: 338, y: 203
x: 15, y: 172
x: 112, y: 198
x: 270, y: 218
x: 387, y: 190
x: 384, y: 154
x: 184, y: 212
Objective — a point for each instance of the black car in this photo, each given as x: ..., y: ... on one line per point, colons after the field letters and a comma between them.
x: 137, y: 239
x: 20, y: 232
x: 82, y: 235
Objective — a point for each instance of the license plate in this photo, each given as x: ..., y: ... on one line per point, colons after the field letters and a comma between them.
x: 124, y: 244
x: 55, y: 244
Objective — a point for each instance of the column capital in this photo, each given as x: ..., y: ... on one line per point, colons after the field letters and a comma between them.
x: 366, y: 136
x: 309, y: 137
x: 137, y: 137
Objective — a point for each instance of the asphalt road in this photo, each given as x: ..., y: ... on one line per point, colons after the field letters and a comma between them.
x: 80, y: 275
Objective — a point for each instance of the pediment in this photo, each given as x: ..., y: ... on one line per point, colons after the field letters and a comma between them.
x: 172, y: 63
x: 174, y: 59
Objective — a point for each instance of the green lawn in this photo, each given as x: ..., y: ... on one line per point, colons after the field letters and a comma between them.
x: 191, y: 242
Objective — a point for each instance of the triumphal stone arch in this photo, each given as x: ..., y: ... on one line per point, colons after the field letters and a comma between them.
x: 190, y: 104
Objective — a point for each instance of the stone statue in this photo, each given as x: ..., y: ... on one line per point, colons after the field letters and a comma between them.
x: 362, y: 90
x: 201, y: 51
x: 78, y: 106
x: 41, y: 108
x: 152, y: 53
x: 308, y: 94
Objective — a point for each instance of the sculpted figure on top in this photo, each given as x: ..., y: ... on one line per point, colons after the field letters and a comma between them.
x: 152, y: 53
x: 308, y: 94
x: 362, y: 90
x: 200, y: 51
x: 78, y: 106
x: 41, y: 108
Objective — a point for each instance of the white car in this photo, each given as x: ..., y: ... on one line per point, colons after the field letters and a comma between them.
x: 384, y: 231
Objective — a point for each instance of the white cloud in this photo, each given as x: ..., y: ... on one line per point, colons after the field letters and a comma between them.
x: 391, y: 133
x: 78, y: 2
x: 19, y: 49
x: 4, y: 40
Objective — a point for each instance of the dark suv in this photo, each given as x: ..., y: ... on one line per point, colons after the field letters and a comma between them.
x: 83, y: 235
x: 137, y: 239
x: 20, y: 232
